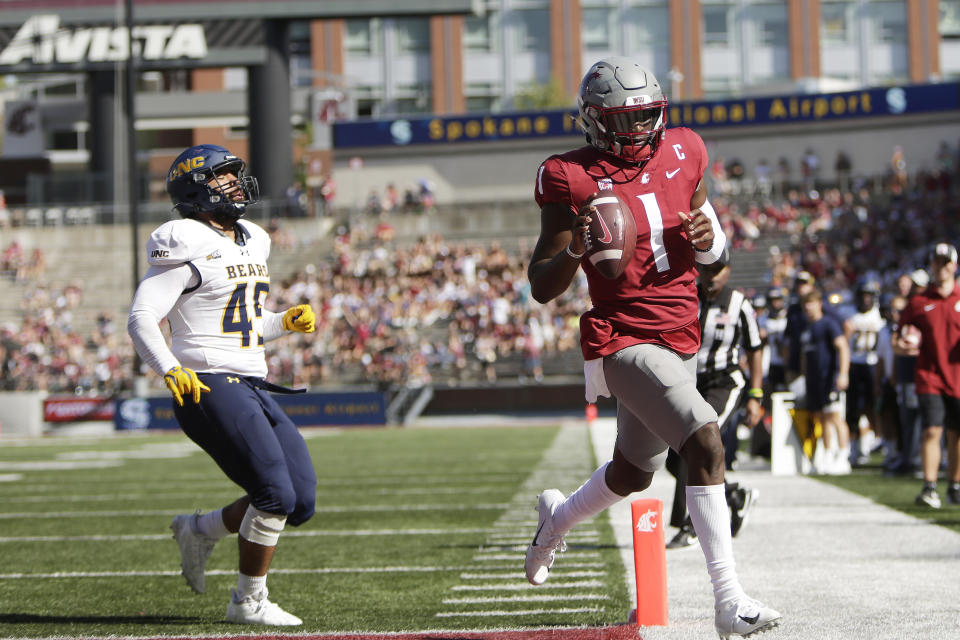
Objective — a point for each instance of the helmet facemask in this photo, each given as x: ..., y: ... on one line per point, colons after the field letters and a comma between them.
x: 622, y: 110
x: 634, y: 132
x: 231, y: 197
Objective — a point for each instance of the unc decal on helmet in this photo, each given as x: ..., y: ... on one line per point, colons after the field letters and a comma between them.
x: 195, y: 186
x: 622, y: 109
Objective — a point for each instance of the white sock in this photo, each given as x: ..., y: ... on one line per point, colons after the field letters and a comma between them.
x: 591, y: 498
x: 711, y: 521
x: 211, y: 525
x: 250, y: 585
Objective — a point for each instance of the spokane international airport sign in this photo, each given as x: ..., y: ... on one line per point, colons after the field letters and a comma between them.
x: 767, y: 110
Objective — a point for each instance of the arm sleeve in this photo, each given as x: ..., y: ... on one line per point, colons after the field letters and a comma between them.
x: 155, y: 297
x: 272, y: 325
x: 712, y: 254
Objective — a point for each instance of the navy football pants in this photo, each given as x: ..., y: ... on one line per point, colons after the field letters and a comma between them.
x: 250, y: 437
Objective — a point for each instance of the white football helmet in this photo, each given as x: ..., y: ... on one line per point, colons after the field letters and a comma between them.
x: 622, y: 109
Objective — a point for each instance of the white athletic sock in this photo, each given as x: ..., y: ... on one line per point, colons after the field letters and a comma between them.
x: 591, y: 498
x: 250, y: 585
x: 711, y: 521
x: 211, y: 525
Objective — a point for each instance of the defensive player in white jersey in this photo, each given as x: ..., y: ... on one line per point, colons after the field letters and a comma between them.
x: 863, y: 329
x: 208, y: 277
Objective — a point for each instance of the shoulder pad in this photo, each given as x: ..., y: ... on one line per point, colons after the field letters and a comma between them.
x: 176, y: 242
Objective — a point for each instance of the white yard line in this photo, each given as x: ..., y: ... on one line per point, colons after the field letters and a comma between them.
x: 515, y: 612
x: 232, y: 491
x: 222, y: 572
x: 550, y: 585
x: 538, y: 597
x: 286, y: 534
x: 563, y: 464
x: 320, y: 509
x: 518, y: 575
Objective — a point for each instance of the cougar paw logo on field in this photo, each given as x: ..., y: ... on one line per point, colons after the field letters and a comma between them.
x: 647, y: 522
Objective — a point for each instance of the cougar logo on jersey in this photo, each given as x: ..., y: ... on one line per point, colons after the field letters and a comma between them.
x: 605, y: 184
x: 645, y: 178
x: 647, y: 522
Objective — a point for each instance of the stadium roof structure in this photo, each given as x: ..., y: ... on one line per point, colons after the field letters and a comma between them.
x: 98, y: 11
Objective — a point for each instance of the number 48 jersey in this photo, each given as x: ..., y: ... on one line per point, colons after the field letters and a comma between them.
x: 217, y: 326
x: 655, y: 300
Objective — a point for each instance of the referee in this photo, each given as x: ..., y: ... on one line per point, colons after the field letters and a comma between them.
x: 728, y: 325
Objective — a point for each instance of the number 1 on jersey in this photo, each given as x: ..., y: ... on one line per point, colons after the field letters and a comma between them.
x: 651, y: 209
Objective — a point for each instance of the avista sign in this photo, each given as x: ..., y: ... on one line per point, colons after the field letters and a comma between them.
x: 41, y: 40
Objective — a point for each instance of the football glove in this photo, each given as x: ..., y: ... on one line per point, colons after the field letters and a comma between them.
x: 184, y: 382
x: 300, y: 318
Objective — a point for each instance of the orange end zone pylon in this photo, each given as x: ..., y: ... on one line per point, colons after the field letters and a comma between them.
x: 650, y: 562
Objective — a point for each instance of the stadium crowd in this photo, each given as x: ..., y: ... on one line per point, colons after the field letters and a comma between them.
x: 461, y: 312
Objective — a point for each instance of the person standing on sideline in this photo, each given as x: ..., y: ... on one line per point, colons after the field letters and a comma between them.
x: 641, y: 336
x: 862, y: 330
x: 729, y: 328
x: 935, y: 313
x: 825, y: 365
x: 773, y: 324
x: 208, y: 277
x: 796, y: 323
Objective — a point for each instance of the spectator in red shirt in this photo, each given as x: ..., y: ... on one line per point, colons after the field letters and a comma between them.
x: 932, y: 318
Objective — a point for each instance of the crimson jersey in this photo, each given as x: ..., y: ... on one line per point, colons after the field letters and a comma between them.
x: 938, y: 319
x: 655, y: 300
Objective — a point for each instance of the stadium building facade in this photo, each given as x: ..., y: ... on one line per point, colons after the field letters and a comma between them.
x: 269, y: 79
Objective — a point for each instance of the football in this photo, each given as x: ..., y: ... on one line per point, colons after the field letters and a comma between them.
x: 911, y: 335
x: 612, y: 235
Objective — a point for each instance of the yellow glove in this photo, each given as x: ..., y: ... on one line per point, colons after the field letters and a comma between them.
x: 300, y: 318
x: 184, y: 382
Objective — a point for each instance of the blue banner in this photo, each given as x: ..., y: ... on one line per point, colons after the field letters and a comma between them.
x: 305, y: 409
x: 768, y: 110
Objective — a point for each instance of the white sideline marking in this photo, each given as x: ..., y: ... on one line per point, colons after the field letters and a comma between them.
x: 519, y: 575
x: 517, y: 586
x: 286, y: 534
x: 522, y: 612
x: 531, y: 598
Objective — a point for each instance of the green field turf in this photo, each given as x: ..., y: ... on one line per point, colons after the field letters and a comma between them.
x: 416, y: 529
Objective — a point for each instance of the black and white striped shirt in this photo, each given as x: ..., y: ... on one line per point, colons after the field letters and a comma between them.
x: 727, y: 323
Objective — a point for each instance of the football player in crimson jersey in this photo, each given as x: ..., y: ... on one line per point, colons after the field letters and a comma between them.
x: 208, y: 277
x: 640, y: 338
